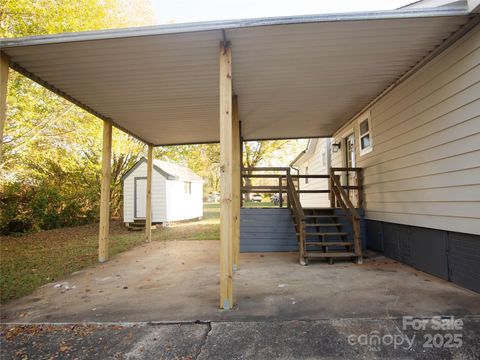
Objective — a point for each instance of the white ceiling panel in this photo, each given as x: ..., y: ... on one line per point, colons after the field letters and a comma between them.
x: 294, y: 77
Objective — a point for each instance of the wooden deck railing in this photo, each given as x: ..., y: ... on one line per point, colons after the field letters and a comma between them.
x: 344, y: 189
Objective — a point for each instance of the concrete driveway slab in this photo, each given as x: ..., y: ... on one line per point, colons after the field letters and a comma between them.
x: 178, y: 281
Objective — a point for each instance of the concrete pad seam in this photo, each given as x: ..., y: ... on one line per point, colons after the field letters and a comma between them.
x: 204, y: 342
x: 208, y: 322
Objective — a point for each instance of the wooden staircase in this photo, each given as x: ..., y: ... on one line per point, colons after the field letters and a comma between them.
x: 320, y: 233
x: 325, y: 236
x: 136, y: 225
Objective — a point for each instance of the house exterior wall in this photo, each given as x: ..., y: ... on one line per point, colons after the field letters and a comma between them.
x: 158, y: 194
x: 181, y: 205
x: 316, y: 166
x: 424, y: 169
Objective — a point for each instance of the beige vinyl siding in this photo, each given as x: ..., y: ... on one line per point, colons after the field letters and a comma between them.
x: 424, y: 169
x: 315, y: 167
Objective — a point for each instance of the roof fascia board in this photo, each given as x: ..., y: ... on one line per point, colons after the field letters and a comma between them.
x: 298, y: 158
x: 474, y: 21
x: 308, y: 152
x: 133, y: 168
x: 474, y: 6
x: 231, y: 24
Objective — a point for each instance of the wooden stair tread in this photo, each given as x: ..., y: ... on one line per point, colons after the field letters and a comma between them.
x: 321, y: 216
x: 329, y: 243
x: 325, y: 233
x: 317, y: 225
x: 311, y: 254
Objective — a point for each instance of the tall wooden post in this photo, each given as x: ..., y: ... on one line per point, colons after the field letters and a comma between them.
x: 226, y: 178
x: 148, y: 210
x: 105, y: 192
x: 236, y: 182
x: 3, y: 96
x: 241, y: 163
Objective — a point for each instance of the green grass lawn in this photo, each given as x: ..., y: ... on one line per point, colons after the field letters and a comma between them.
x: 263, y: 204
x: 29, y: 261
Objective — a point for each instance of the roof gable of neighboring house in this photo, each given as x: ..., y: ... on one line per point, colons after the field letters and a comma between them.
x: 307, y: 153
x: 168, y: 170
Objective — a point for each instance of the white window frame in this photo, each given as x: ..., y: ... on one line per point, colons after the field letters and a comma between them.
x: 361, y: 119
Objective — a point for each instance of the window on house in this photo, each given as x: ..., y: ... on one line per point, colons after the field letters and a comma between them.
x: 187, y: 187
x: 365, y: 135
x: 306, y: 173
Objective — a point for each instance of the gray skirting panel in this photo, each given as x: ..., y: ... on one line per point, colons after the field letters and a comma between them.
x: 267, y: 230
x: 272, y: 229
x: 449, y: 255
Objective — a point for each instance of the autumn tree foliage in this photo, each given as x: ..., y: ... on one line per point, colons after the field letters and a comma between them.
x: 49, y: 173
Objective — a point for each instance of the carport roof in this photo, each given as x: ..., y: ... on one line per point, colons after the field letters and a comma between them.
x: 302, y: 76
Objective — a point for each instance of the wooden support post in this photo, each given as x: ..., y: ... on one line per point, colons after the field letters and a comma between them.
x: 241, y: 163
x: 3, y: 96
x: 226, y: 178
x: 148, y: 210
x: 105, y: 192
x: 236, y: 182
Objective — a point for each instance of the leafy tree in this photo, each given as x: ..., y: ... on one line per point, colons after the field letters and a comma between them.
x: 277, y: 153
x: 50, y: 167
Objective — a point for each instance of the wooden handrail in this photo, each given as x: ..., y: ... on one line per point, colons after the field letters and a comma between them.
x: 339, y: 193
x: 344, y: 197
x: 333, y: 169
x: 286, y: 169
x: 321, y: 176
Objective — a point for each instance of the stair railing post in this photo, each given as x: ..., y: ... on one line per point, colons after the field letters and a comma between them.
x: 286, y: 183
x: 332, y: 193
x: 360, y: 188
x: 302, y: 243
x: 337, y: 177
x: 357, y: 239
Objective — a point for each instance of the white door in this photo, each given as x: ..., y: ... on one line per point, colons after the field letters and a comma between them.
x: 140, y: 197
x: 350, y: 162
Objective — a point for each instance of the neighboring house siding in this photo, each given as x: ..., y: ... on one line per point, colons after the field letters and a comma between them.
x: 315, y: 167
x: 424, y: 169
x: 158, y: 194
x: 181, y: 205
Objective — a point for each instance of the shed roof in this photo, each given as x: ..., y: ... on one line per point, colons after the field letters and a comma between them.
x: 302, y: 76
x: 169, y: 170
x: 176, y: 171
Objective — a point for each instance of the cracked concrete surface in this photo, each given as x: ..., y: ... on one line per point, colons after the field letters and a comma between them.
x: 160, y: 301
x: 295, y: 339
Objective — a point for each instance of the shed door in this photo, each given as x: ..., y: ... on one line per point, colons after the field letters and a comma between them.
x: 140, y: 197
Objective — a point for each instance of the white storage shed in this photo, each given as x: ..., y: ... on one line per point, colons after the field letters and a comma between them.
x: 177, y: 192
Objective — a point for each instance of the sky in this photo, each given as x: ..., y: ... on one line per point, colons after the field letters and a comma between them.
x: 181, y: 11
